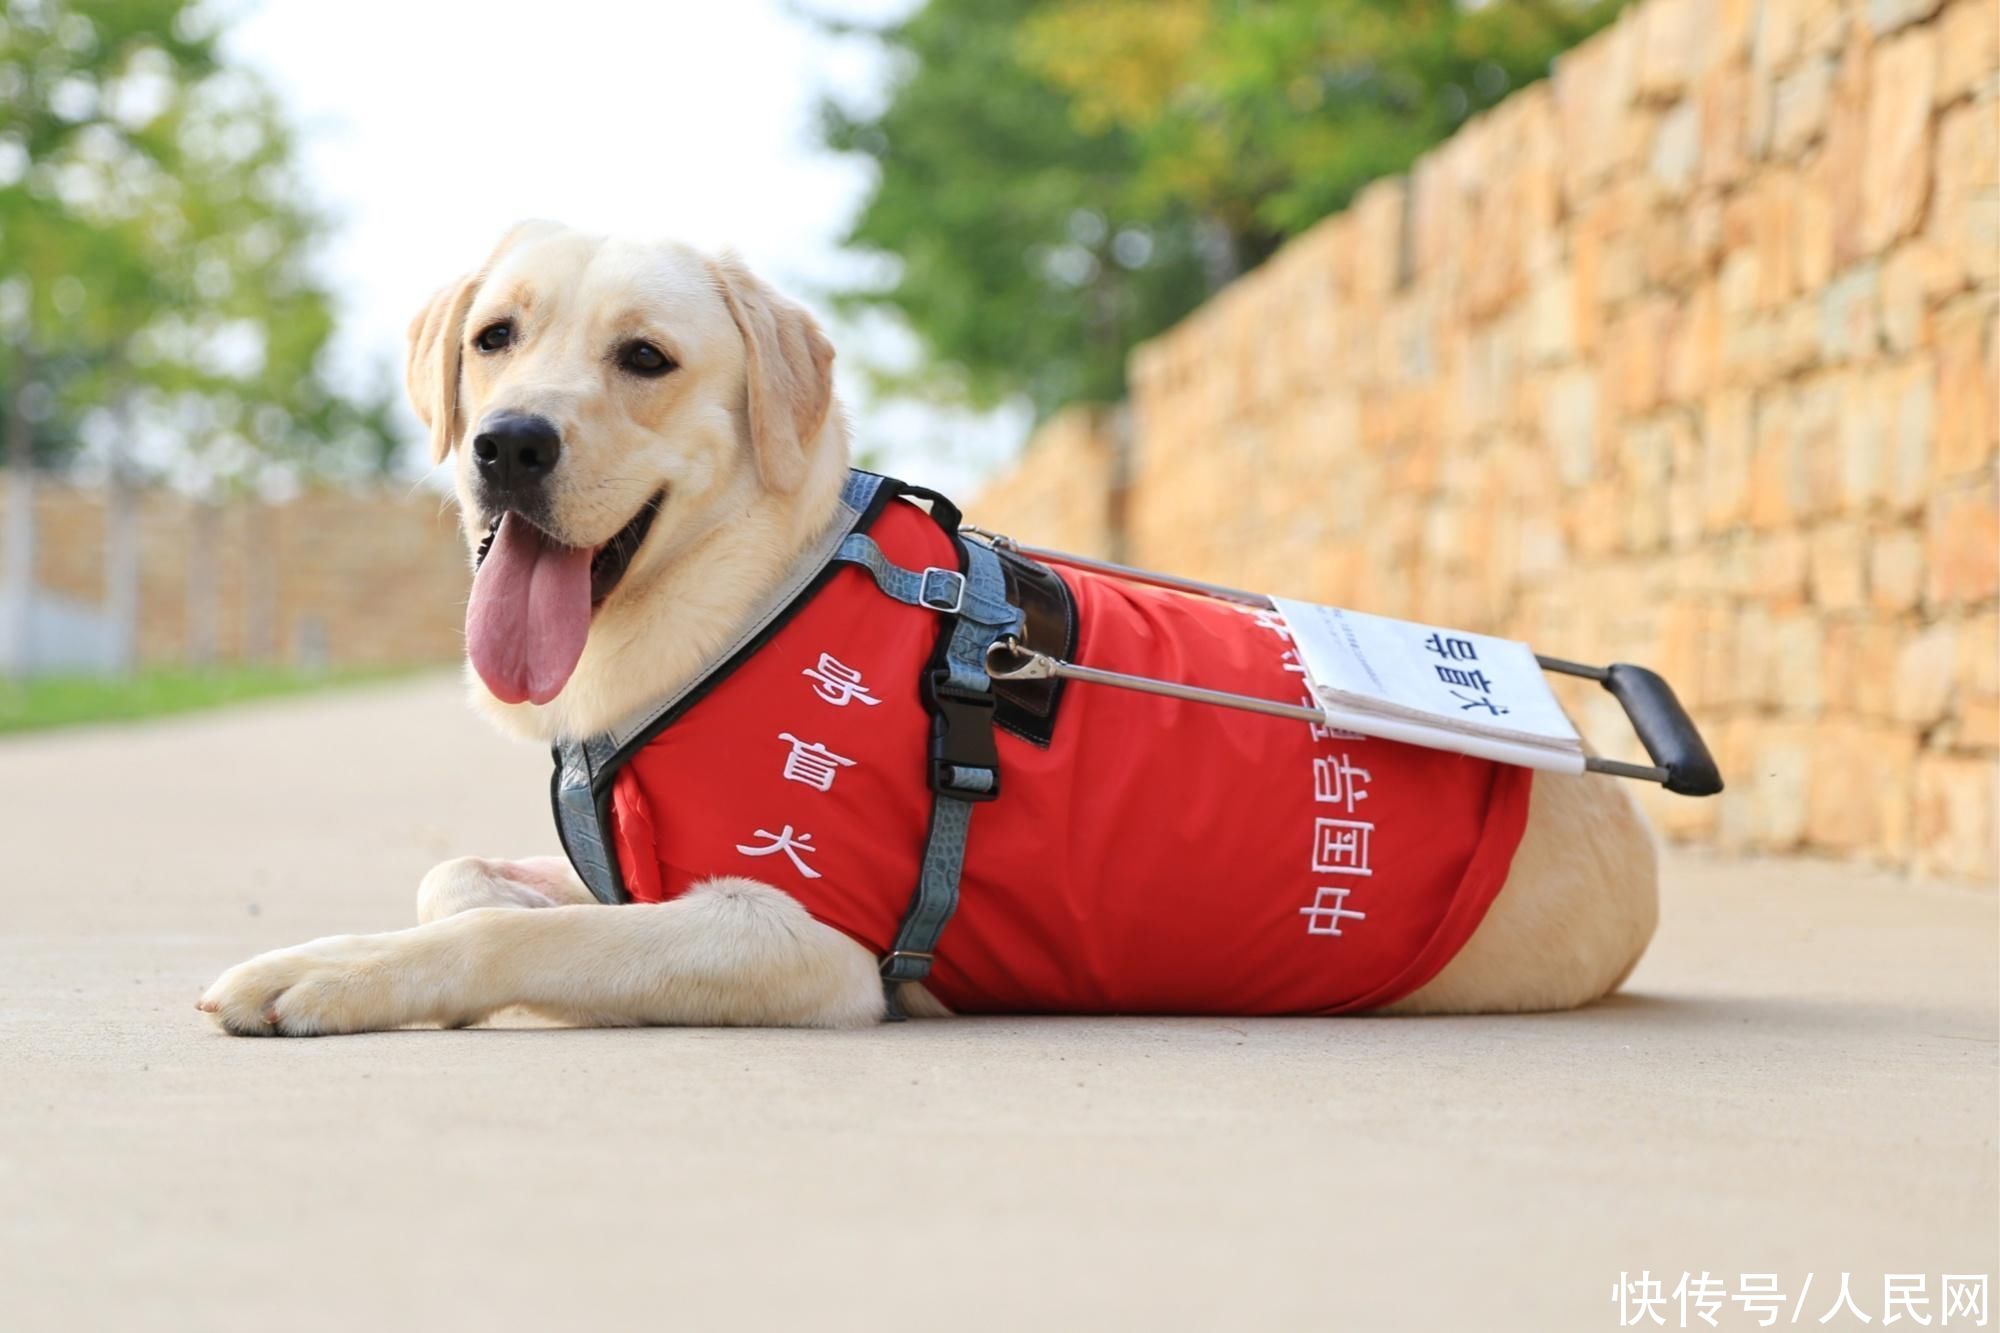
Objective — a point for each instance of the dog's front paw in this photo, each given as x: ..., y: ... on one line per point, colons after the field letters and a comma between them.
x: 339, y: 984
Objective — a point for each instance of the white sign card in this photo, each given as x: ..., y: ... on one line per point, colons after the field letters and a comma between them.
x: 1427, y: 685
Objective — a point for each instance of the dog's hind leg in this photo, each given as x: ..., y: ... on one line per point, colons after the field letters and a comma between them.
x: 728, y: 952
x: 470, y: 882
x: 1575, y: 914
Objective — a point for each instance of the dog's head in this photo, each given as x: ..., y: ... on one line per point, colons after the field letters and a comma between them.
x: 605, y: 401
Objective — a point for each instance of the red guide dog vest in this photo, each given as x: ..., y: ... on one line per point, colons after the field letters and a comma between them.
x: 1156, y: 856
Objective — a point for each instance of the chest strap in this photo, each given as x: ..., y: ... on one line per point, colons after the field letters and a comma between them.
x: 964, y: 763
x: 586, y: 770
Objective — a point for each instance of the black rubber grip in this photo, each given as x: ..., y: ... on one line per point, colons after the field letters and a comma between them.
x: 1665, y: 729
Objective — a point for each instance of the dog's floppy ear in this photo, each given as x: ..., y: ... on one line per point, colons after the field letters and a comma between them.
x: 437, y: 345
x: 437, y: 340
x: 788, y: 368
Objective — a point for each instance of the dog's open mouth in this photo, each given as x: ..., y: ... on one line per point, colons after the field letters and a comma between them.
x: 608, y: 566
x: 532, y: 601
x: 609, y: 563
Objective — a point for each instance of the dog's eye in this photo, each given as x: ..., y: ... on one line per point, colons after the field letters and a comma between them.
x: 494, y: 337
x: 642, y: 358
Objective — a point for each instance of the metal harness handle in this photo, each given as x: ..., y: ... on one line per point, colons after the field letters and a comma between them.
x: 1681, y: 760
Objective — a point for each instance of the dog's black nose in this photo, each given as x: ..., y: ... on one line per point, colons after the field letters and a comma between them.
x: 515, y: 452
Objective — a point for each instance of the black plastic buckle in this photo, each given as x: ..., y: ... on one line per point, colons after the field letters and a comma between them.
x: 962, y: 738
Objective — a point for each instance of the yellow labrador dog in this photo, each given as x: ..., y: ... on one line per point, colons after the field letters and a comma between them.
x: 667, y: 423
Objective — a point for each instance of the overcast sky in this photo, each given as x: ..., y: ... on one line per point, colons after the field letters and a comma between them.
x: 431, y: 127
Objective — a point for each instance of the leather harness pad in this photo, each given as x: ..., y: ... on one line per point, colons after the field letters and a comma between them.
x: 1027, y: 708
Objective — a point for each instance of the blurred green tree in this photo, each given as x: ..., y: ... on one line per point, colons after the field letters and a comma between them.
x: 155, y: 287
x: 1021, y: 255
x: 1060, y: 179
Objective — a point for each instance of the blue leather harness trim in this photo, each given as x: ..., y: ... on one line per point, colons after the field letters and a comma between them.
x: 965, y: 768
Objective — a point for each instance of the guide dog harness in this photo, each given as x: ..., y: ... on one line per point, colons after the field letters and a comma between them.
x: 1128, y: 853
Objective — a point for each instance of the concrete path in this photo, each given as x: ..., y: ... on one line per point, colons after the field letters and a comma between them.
x: 1800, y: 1079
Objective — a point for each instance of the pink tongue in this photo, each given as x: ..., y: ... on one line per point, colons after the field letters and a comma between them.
x: 529, y: 614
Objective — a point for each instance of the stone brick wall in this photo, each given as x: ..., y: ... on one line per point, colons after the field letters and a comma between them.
x: 1073, y: 489
x: 1687, y: 356
x: 335, y: 577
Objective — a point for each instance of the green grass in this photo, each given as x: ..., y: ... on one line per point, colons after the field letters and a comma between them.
x: 62, y: 701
